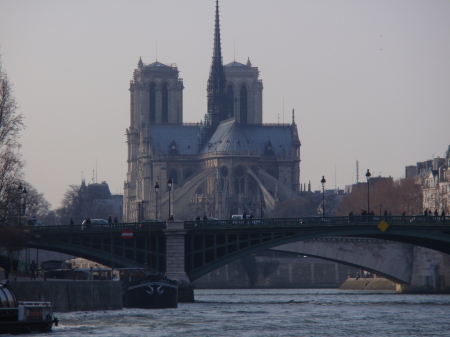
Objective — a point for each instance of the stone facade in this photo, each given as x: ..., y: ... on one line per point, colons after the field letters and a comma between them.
x: 228, y: 162
x: 434, y: 177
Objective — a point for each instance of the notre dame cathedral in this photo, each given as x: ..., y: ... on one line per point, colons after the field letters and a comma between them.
x: 228, y: 163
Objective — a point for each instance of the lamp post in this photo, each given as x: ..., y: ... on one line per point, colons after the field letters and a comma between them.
x: 156, y: 200
x: 22, y: 205
x: 368, y: 200
x: 26, y: 251
x: 261, y: 203
x: 169, y: 187
x: 323, y: 181
x: 37, y: 236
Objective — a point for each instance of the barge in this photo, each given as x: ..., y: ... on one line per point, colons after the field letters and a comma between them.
x: 24, y: 316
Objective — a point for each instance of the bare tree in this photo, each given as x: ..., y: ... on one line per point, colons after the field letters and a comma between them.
x: 80, y: 202
x: 12, y: 239
x: 71, y: 206
x: 11, y: 164
x: 395, y: 197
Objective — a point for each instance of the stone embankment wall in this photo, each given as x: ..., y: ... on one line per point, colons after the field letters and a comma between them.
x: 367, y: 284
x: 72, y: 295
x: 430, y: 273
x: 294, y: 271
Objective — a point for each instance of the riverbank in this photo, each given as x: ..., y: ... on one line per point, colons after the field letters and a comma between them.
x: 71, y: 295
x: 367, y: 284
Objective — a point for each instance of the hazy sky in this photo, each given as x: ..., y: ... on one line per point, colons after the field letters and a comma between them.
x: 369, y: 80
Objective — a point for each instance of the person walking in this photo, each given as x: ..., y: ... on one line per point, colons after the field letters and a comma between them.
x: 71, y: 222
x: 33, y: 270
x: 109, y: 219
x: 7, y: 267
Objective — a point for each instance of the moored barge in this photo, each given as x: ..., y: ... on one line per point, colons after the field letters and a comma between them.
x: 24, y: 316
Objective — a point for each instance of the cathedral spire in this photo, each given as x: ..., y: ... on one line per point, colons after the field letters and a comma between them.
x: 216, y: 91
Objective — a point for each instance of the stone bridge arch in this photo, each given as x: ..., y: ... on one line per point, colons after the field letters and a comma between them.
x: 392, y: 260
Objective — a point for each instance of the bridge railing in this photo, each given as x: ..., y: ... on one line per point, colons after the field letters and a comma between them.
x: 359, y: 220
x: 140, y: 226
x: 318, y: 220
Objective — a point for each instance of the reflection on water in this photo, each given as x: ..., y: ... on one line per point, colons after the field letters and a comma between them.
x: 273, y: 312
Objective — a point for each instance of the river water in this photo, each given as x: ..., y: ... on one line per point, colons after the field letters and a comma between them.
x: 272, y: 312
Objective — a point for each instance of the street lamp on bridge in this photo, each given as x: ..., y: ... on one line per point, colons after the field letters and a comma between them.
x: 323, y: 181
x: 368, y: 199
x: 156, y: 200
x: 169, y: 187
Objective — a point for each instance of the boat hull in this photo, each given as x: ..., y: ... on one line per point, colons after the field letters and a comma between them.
x: 150, y: 292
x: 26, y: 327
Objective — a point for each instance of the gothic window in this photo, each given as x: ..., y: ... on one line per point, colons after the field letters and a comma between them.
x: 230, y: 101
x: 268, y: 149
x: 239, y: 180
x: 186, y: 174
x: 243, y: 105
x: 173, y: 150
x: 152, y: 103
x: 165, y: 104
x: 174, y: 175
x: 272, y: 172
x: 222, y: 177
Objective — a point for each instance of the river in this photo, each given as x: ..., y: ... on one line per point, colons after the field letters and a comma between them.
x: 272, y: 312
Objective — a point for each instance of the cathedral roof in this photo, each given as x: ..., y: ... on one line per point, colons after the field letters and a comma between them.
x: 184, y: 136
x: 235, y: 64
x: 157, y: 64
x: 228, y: 137
x: 235, y: 137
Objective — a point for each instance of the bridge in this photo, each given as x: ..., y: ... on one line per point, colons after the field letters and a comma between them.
x: 186, y: 250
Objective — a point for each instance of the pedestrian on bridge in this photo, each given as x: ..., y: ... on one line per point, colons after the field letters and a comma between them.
x: 115, y: 220
x: 443, y: 215
x: 109, y: 219
x: 33, y: 270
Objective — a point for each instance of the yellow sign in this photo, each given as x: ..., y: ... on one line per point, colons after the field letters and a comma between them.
x: 383, y: 226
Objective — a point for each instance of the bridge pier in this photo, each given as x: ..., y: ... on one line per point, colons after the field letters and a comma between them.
x: 175, y: 259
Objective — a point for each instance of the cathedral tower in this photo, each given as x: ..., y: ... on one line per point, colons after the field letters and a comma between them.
x: 216, y: 90
x: 244, y: 93
x: 156, y: 94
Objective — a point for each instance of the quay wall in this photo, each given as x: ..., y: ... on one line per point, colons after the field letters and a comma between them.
x: 71, y: 295
x: 368, y: 284
x: 276, y: 271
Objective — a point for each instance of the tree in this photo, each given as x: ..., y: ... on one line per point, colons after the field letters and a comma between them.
x: 71, y: 206
x: 11, y: 164
x: 12, y: 239
x: 395, y: 196
x: 80, y: 202
x: 36, y: 204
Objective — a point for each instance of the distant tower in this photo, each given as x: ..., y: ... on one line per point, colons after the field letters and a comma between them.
x: 244, y: 92
x: 357, y: 171
x: 156, y: 95
x: 216, y: 88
